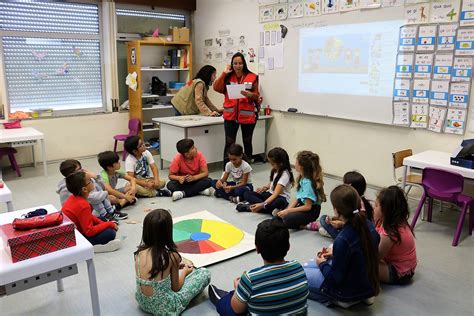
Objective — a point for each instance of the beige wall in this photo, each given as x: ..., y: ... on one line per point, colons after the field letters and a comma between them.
x: 343, y: 145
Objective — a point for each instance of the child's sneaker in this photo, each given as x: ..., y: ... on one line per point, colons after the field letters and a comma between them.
x: 120, y: 215
x: 234, y: 199
x: 243, y: 207
x: 314, y: 226
x: 205, y: 192
x: 163, y: 192
x: 215, y: 294
x: 275, y: 212
x: 177, y: 195
x: 323, y: 232
x: 108, y: 247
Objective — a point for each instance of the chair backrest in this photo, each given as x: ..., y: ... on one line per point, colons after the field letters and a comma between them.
x: 442, y: 184
x: 133, y: 127
x: 398, y: 160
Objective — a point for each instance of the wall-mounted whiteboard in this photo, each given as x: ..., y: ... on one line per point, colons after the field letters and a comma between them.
x: 337, y: 65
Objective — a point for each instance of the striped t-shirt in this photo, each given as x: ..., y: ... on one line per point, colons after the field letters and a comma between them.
x: 274, y: 289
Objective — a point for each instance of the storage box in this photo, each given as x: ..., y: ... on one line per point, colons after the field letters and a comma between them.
x: 32, y: 243
x: 183, y: 34
x: 174, y: 32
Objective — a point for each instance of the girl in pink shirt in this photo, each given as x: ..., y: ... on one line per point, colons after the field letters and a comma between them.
x: 397, y: 251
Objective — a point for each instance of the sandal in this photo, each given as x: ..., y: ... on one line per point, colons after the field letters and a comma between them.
x: 314, y: 226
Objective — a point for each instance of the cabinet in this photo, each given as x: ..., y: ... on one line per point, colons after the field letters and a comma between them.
x: 146, y: 58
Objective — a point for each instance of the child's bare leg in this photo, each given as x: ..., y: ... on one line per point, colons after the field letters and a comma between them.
x: 113, y: 199
x: 384, y: 273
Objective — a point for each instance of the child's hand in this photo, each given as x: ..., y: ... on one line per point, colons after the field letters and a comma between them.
x: 220, y: 184
x: 227, y: 189
x: 247, y: 94
x: 255, y: 208
x: 236, y: 282
x: 283, y: 213
x: 115, y: 227
x: 228, y: 69
x: 181, y: 179
x: 337, y: 223
x: 156, y: 182
x: 189, y: 178
x: 261, y: 190
x: 130, y: 198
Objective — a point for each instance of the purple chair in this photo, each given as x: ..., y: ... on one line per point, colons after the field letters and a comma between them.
x: 133, y: 130
x: 10, y: 152
x: 445, y: 186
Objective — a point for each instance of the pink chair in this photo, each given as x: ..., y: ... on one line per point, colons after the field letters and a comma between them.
x: 445, y: 186
x: 10, y: 152
x: 133, y: 130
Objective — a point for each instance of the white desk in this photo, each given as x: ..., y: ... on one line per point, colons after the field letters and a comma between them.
x: 6, y: 197
x: 47, y: 268
x: 25, y: 136
x: 207, y: 133
x: 434, y: 159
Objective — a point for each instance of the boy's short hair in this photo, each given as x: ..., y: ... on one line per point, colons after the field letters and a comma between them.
x: 107, y: 159
x: 272, y: 240
x: 75, y: 182
x: 69, y: 166
x: 131, y: 144
x: 184, y: 145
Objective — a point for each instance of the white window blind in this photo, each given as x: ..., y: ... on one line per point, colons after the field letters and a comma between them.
x: 52, y: 55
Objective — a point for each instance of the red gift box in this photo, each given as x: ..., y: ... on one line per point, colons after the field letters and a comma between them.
x: 32, y: 243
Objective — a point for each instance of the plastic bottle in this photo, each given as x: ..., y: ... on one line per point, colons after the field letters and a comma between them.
x: 268, y: 111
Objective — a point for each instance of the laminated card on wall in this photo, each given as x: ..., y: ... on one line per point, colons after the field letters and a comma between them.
x: 417, y: 13
x: 459, y: 94
x: 401, y: 90
x: 465, y: 42
x: 404, y: 66
x: 443, y: 64
x: 446, y: 37
x: 467, y: 13
x: 439, y: 93
x: 407, y: 38
x: 462, y: 69
x: 455, y: 121
x: 445, y: 11
x: 426, y: 38
x: 419, y: 115
x: 401, y: 113
x: 436, y: 120
x: 421, y: 91
x: 423, y: 66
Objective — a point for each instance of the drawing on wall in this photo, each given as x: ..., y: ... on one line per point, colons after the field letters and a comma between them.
x: 312, y: 8
x: 295, y: 10
x: 266, y: 14
x: 281, y: 12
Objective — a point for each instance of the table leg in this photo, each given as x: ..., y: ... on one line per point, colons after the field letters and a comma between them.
x: 33, y: 154
x: 43, y: 154
x: 10, y: 206
x: 93, y: 288
x: 60, y: 285
x: 404, y: 179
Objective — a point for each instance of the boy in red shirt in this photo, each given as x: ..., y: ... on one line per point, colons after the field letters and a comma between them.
x: 100, y: 234
x: 188, y: 172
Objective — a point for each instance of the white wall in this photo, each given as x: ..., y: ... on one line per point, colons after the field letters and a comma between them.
x: 343, y: 145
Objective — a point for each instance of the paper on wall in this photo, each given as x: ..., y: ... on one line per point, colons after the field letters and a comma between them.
x: 455, y: 121
x: 443, y: 11
x: 349, y: 5
x: 312, y: 8
x: 423, y: 66
x: 446, y: 37
x: 467, y: 13
x: 426, y: 38
x: 419, y: 115
x: 462, y: 69
x: 401, y: 113
x: 459, y: 94
x: 407, y: 38
x: 417, y: 13
x: 439, y: 92
x: 370, y: 4
x: 465, y: 42
x: 392, y: 3
x: 295, y: 10
x: 436, y: 120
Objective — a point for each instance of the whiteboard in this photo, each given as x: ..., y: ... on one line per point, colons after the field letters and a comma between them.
x: 279, y: 87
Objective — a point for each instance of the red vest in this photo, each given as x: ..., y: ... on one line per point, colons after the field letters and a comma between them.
x: 241, y: 110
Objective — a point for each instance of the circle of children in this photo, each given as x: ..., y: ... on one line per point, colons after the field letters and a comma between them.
x: 373, y: 242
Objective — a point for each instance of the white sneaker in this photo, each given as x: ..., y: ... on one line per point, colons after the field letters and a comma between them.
x: 323, y: 232
x: 369, y: 301
x: 177, y: 195
x: 205, y: 192
x: 346, y: 304
x: 108, y: 247
x: 275, y: 212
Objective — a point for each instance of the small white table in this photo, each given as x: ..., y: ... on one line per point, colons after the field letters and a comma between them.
x: 25, y: 136
x: 434, y: 159
x: 47, y: 268
x: 6, y: 197
x: 207, y: 133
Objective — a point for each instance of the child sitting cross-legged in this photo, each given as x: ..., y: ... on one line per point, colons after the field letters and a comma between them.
x: 241, y: 174
x: 279, y: 287
x: 100, y: 234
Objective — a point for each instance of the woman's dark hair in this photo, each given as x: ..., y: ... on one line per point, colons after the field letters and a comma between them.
x: 272, y: 239
x: 157, y: 236
x: 131, y: 144
x: 311, y: 169
x: 357, y: 181
x: 236, y: 150
x: 346, y: 200
x: 245, y: 68
x: 205, y: 74
x: 107, y: 159
x: 75, y: 182
x: 394, y: 207
x: 280, y: 157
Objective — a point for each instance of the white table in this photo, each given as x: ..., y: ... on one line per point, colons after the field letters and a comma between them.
x: 47, y: 268
x: 434, y: 159
x: 6, y: 197
x: 25, y: 136
x: 207, y: 133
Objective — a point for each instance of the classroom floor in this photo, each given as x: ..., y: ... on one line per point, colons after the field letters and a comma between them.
x: 443, y: 283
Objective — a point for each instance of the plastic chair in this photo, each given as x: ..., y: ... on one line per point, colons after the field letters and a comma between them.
x: 10, y: 152
x: 445, y: 186
x: 133, y: 130
x: 412, y: 179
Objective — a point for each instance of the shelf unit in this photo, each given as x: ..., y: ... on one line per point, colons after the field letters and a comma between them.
x: 149, y: 54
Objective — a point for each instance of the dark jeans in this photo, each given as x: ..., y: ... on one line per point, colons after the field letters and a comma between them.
x: 220, y: 193
x: 328, y: 227
x: 254, y: 198
x: 103, y: 237
x: 297, y: 219
x: 224, y: 307
x: 190, y: 188
x: 231, y: 128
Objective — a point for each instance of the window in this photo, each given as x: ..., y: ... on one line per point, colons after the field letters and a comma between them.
x: 52, y: 55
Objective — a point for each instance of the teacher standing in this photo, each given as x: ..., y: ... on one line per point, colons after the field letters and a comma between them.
x: 192, y: 98
x: 239, y: 112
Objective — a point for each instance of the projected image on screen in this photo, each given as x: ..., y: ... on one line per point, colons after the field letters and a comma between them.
x: 355, y: 59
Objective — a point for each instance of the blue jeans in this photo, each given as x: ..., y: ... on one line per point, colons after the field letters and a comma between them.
x: 315, y: 280
x: 220, y: 193
x: 103, y: 237
x: 328, y: 227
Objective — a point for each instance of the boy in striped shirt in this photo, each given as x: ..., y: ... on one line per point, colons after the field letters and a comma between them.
x: 279, y: 287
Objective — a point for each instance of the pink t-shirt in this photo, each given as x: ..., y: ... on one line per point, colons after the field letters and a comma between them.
x: 403, y: 255
x: 181, y: 167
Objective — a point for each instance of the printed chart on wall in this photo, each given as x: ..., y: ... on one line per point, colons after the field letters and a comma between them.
x: 270, y: 51
x: 221, y: 46
x: 205, y: 238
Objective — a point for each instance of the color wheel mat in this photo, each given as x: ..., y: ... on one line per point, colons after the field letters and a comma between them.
x: 205, y: 238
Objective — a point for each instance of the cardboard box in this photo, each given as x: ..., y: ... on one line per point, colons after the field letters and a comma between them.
x: 174, y: 32
x: 26, y: 244
x: 183, y: 34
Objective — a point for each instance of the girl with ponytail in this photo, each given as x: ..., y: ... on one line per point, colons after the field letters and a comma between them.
x: 347, y: 273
